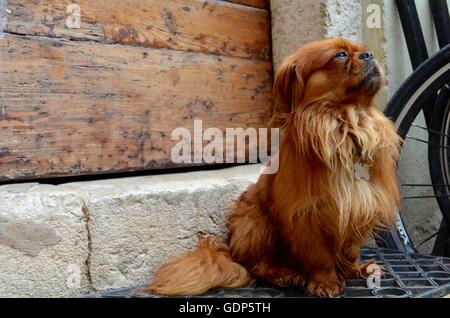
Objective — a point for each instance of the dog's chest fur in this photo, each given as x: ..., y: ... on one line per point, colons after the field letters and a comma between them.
x: 355, y: 191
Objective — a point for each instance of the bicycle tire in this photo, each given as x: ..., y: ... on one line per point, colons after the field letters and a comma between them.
x: 438, y: 155
x: 438, y: 163
x: 403, y: 108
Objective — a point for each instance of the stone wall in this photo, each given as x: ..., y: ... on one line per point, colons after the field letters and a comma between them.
x: 296, y: 22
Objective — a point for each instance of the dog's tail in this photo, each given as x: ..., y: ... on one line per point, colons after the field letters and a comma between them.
x: 208, y: 266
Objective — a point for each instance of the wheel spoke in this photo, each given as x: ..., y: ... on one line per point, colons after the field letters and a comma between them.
x: 424, y: 197
x: 430, y: 130
x: 422, y: 185
x: 426, y: 142
x: 434, y: 235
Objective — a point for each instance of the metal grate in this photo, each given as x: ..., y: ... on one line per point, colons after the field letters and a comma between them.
x: 406, y: 276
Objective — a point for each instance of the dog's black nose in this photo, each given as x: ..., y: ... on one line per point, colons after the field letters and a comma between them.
x: 367, y: 56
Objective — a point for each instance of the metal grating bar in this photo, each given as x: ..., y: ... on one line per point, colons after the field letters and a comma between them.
x: 406, y: 276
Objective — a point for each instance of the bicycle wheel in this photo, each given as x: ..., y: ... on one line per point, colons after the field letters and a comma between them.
x: 406, y: 108
x: 439, y: 164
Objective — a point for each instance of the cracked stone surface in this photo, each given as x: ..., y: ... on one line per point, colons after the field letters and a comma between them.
x: 42, y: 242
x: 136, y: 223
x: 66, y: 240
x: 26, y: 235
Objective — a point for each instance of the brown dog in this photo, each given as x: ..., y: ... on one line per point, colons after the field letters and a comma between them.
x: 304, y: 225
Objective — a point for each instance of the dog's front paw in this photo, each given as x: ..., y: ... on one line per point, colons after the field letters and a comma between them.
x: 324, y: 285
x: 365, y: 270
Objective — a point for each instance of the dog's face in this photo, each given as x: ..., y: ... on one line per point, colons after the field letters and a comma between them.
x: 334, y: 70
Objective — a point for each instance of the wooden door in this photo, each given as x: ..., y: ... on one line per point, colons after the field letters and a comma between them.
x: 104, y: 95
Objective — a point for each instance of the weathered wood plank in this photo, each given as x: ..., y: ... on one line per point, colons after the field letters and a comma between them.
x: 69, y: 108
x: 212, y: 27
x: 262, y: 4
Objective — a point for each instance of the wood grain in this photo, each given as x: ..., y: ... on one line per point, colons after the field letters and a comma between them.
x: 69, y: 108
x: 262, y: 4
x: 213, y: 27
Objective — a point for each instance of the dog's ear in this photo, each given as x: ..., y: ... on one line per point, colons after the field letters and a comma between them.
x: 287, y: 91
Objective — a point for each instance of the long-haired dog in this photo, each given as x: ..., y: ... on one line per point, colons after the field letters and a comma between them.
x: 336, y: 183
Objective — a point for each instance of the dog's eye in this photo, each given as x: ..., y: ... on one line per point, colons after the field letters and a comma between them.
x: 341, y: 54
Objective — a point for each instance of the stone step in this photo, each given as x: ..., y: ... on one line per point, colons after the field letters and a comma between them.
x: 74, y: 238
